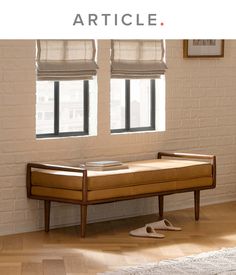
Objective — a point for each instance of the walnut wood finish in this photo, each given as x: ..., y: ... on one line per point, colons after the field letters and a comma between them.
x: 47, y: 205
x: 83, y: 218
x: 197, y: 204
x: 161, y: 206
x: 84, y: 202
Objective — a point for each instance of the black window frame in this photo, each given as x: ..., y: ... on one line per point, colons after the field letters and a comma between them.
x: 152, y: 126
x: 57, y: 132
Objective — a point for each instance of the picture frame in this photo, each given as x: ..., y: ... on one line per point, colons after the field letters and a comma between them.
x: 200, y: 48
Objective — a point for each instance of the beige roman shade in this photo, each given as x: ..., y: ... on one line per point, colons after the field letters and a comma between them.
x: 137, y: 59
x: 66, y: 59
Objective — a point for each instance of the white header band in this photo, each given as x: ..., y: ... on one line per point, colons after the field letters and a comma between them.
x: 105, y: 19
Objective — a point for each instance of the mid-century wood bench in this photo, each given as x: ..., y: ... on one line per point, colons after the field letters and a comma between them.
x: 168, y: 174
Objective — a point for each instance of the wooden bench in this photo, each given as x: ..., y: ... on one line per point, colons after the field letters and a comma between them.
x: 168, y: 174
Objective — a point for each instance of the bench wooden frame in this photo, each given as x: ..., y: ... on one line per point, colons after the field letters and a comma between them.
x: 84, y: 202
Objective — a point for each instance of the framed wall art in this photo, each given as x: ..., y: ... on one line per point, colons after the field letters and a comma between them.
x: 203, y: 48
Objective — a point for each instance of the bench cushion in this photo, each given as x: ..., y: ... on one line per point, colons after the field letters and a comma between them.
x: 149, y: 188
x: 122, y: 191
x: 140, y: 173
x: 56, y: 179
x: 149, y: 172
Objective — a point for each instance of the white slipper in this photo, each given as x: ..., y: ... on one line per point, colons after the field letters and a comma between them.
x: 164, y: 225
x: 146, y: 231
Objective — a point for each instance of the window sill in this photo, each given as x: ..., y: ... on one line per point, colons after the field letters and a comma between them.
x: 138, y: 132
x: 64, y: 137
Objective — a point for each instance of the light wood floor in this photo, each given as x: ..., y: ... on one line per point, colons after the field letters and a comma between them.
x: 108, y: 245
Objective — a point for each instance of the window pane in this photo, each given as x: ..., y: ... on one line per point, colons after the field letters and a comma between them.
x: 45, y: 107
x: 71, y: 106
x: 117, y: 104
x: 140, y: 98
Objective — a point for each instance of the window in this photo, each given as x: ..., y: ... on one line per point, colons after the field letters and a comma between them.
x: 137, y: 71
x: 65, y: 70
x: 132, y: 105
x: 62, y: 108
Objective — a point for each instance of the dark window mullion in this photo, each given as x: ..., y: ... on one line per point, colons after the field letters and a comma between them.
x: 127, y: 105
x: 56, y: 107
x: 86, y: 106
x: 153, y: 104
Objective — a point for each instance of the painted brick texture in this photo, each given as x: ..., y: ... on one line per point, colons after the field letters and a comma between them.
x: 200, y: 118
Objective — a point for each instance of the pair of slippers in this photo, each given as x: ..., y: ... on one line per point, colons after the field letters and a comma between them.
x: 150, y: 230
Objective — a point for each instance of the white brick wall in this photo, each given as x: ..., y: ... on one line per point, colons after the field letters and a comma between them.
x: 201, y: 116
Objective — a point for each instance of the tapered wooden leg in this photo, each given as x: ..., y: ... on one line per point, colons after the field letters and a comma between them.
x: 47, y: 205
x: 161, y: 206
x: 197, y: 204
x: 83, y: 220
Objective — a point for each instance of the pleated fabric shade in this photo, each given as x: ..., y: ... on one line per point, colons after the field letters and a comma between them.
x: 66, y: 59
x: 137, y: 59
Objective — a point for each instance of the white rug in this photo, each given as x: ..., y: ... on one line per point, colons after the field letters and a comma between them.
x: 222, y: 262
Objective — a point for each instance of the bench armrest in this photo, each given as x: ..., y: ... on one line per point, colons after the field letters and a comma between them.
x: 211, y: 158
x: 184, y: 155
x: 57, y: 168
